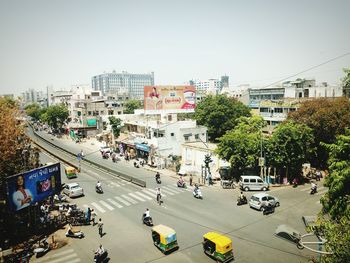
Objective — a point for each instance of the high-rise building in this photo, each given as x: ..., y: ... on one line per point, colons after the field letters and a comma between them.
x: 123, y: 82
x: 210, y: 86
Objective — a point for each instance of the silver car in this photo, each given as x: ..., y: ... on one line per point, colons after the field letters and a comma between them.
x: 259, y: 201
x: 73, y: 190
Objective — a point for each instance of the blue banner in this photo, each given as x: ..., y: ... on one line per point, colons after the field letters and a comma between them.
x: 142, y: 147
x: 33, y: 186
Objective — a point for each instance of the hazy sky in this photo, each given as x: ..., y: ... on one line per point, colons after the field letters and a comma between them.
x: 66, y: 42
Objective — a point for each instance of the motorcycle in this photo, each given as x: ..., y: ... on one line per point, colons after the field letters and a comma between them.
x: 75, y: 234
x: 148, y: 221
x: 197, y: 194
x: 313, y: 190
x: 60, y: 198
x: 42, y: 249
x: 101, y: 258
x: 242, y: 201
x: 158, y: 180
x: 181, y: 184
x: 268, y: 209
x: 99, y: 189
x: 105, y: 155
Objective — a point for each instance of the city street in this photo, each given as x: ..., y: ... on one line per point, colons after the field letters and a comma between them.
x: 128, y: 240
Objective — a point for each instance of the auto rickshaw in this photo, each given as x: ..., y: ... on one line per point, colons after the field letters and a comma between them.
x: 218, y: 247
x: 70, y: 172
x: 164, y: 238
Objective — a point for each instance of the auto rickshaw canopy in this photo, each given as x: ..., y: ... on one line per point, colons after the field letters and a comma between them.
x: 167, y: 234
x: 70, y: 170
x: 223, y: 243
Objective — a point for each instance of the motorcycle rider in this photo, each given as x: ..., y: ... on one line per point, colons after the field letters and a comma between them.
x: 181, y: 182
x: 158, y: 194
x: 196, y: 188
x: 146, y: 215
x: 157, y: 176
x: 98, y: 185
x: 242, y: 197
x: 313, y: 187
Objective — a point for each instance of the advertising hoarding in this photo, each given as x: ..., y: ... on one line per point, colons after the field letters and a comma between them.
x: 33, y: 186
x: 170, y: 99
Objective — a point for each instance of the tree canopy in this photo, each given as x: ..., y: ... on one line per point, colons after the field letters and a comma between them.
x: 289, y: 147
x: 56, y: 115
x: 131, y: 105
x: 219, y: 114
x: 116, y: 124
x: 242, y: 145
x: 33, y: 110
x: 327, y: 118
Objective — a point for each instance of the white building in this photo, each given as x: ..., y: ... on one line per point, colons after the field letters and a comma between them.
x: 210, y: 86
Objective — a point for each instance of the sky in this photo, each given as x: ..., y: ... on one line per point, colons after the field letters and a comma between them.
x: 65, y: 42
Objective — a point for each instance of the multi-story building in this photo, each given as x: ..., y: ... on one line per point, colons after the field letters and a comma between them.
x: 33, y: 96
x: 210, y: 86
x: 123, y: 82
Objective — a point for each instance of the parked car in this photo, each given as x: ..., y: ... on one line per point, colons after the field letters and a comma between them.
x: 105, y: 149
x: 252, y: 182
x: 73, y: 190
x: 259, y: 201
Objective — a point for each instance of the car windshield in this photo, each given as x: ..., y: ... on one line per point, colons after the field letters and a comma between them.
x: 254, y: 198
x: 75, y: 187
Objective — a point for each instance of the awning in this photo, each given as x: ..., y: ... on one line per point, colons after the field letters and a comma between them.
x: 142, y: 147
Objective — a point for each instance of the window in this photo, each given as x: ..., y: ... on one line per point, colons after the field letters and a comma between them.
x: 196, y: 136
x: 260, y: 181
x: 246, y: 180
x: 253, y: 180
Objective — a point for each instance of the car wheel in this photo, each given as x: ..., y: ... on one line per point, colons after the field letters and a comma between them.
x: 246, y: 189
x: 262, y: 209
x: 277, y: 204
x: 264, y: 189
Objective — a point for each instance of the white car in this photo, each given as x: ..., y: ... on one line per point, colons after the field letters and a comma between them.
x: 73, y: 190
x: 258, y: 201
x: 105, y: 149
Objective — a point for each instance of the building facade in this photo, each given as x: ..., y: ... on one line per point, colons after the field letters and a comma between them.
x: 210, y: 86
x: 123, y: 82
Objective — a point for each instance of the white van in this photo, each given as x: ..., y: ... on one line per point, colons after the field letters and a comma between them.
x: 252, y: 182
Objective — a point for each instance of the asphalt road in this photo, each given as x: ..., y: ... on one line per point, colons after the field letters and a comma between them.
x: 128, y: 240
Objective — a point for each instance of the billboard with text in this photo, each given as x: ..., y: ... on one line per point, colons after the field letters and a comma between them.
x: 33, y: 186
x: 172, y: 99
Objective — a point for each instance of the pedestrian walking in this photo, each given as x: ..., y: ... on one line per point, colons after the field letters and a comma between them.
x: 93, y: 217
x: 191, y: 179
x: 100, y: 227
x: 88, y: 215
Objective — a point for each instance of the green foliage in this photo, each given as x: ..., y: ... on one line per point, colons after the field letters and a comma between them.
x: 131, y: 106
x: 219, y: 114
x: 328, y: 118
x: 56, y: 115
x: 336, y: 201
x: 346, y: 79
x: 241, y: 146
x: 289, y: 147
x: 33, y: 110
x: 116, y: 124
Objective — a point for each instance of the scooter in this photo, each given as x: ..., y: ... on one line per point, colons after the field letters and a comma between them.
x: 268, y: 209
x: 42, y: 250
x: 242, y: 201
x: 101, y: 258
x: 75, y: 234
x: 197, y: 194
x: 99, y: 189
x: 181, y: 184
x: 148, y: 221
x: 313, y: 190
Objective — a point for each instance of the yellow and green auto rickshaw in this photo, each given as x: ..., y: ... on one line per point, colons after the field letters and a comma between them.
x: 218, y: 247
x: 164, y: 238
x: 70, y: 172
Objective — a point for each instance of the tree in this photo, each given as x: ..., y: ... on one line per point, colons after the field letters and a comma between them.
x: 56, y: 115
x: 289, y: 147
x: 241, y: 146
x: 219, y: 114
x: 328, y: 118
x: 131, y: 106
x: 33, y: 110
x: 336, y: 201
x: 116, y: 124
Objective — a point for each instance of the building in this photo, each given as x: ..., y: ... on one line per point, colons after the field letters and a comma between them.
x: 274, y: 103
x: 123, y: 82
x: 32, y: 96
x: 210, y: 86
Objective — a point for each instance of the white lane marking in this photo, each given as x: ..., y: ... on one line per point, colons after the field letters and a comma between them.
x: 165, y: 191
x: 64, y: 259
x: 175, y: 191
x: 114, y: 203
x: 129, y: 199
x: 62, y: 253
x: 115, y: 184
x: 137, y: 197
x: 174, y: 186
x: 149, y: 193
x: 154, y: 192
x: 144, y: 196
x: 122, y: 200
x: 99, y: 208
x: 106, y: 205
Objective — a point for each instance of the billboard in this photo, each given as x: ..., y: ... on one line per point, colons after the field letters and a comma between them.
x: 171, y: 99
x: 33, y: 186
